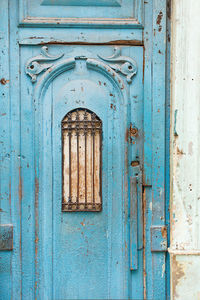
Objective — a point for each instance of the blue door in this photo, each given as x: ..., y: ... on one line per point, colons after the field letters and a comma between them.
x: 84, y: 210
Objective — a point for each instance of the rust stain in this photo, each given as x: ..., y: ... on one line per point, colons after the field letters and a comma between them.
x: 179, y: 152
x: 112, y: 106
x: 132, y: 133
x: 36, y: 189
x: 177, y: 274
x: 115, y: 42
x: 4, y: 81
x: 20, y: 187
x: 158, y: 20
x: 127, y: 135
x: 164, y: 232
x: 135, y: 163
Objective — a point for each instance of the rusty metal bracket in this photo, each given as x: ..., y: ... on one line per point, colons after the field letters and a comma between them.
x: 158, y: 238
x: 6, y: 237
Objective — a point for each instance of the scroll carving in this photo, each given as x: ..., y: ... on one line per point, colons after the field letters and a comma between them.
x: 122, y: 64
x: 117, y: 62
x: 40, y: 63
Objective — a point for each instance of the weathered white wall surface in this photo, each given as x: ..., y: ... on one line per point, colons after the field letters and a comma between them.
x: 185, y: 150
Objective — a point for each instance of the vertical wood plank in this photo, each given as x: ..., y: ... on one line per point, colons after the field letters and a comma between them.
x: 5, y: 179
x: 16, y: 184
x: 158, y: 141
x: 147, y: 82
x: 133, y: 224
x: 27, y: 181
x: 147, y: 175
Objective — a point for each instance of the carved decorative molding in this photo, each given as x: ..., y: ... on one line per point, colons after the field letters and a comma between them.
x: 123, y: 64
x: 37, y: 64
x: 119, y: 63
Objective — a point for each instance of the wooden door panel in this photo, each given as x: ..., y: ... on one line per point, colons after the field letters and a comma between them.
x: 105, y: 58
x: 83, y: 252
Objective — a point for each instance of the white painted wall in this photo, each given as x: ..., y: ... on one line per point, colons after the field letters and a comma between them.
x: 185, y: 150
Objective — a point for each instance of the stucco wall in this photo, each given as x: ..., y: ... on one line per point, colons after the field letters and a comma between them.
x: 185, y: 150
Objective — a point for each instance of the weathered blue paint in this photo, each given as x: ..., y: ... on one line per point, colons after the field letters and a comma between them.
x: 5, y: 213
x: 133, y: 224
x: 85, y: 255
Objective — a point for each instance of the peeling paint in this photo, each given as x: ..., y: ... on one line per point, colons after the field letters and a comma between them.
x: 163, y: 270
x: 177, y: 274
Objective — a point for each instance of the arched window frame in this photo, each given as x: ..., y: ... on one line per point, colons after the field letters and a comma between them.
x: 83, y: 128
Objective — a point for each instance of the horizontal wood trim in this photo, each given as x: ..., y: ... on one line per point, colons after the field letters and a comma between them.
x: 80, y: 22
x: 40, y: 41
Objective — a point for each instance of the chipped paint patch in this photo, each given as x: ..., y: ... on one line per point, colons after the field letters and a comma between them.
x: 185, y: 276
x: 177, y: 274
x: 163, y: 270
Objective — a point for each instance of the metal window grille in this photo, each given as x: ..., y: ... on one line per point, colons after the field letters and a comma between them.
x: 82, y: 159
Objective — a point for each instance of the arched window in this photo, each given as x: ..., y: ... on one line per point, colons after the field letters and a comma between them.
x: 82, y: 147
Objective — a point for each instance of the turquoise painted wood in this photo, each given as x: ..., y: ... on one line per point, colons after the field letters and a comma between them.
x: 108, y: 57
